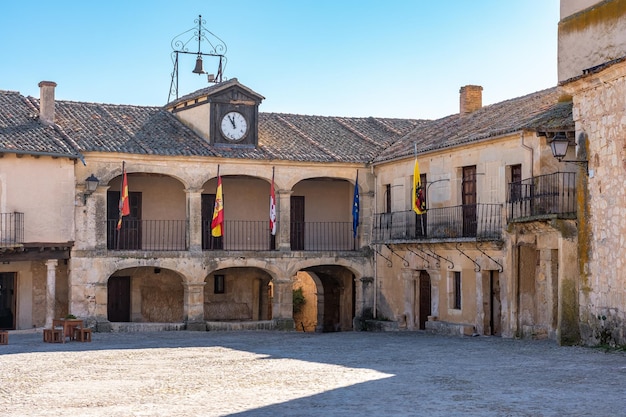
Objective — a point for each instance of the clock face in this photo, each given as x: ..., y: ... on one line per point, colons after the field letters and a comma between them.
x: 234, y: 126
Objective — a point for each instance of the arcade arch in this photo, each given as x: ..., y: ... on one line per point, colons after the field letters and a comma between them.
x: 146, y: 295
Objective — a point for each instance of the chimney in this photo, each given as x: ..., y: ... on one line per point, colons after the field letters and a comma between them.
x: 471, y: 98
x: 46, y: 101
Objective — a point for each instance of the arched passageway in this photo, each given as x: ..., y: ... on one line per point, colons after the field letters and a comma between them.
x: 238, y: 294
x: 331, y: 293
x: 145, y: 295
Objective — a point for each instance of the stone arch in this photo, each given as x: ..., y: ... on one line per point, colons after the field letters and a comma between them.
x: 311, y: 314
x: 335, y: 282
x: 145, y: 294
x: 238, y: 293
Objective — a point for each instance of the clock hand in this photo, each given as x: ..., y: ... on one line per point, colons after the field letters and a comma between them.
x: 232, y: 121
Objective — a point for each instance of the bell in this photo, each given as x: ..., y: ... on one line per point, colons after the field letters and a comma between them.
x: 198, y: 69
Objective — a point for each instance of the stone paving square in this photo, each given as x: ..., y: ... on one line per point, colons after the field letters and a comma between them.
x: 264, y: 373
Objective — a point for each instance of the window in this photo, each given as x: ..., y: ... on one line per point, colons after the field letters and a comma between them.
x: 516, y: 182
x: 457, y: 290
x: 218, y: 284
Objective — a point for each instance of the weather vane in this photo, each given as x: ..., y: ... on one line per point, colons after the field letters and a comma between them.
x: 181, y: 45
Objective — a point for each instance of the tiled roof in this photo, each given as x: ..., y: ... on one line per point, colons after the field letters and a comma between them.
x: 155, y: 131
x: 94, y: 127
x: 128, y: 129
x: 540, y: 111
x: 22, y: 132
x: 328, y: 139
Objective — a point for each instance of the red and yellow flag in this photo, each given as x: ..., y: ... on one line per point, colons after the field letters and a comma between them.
x: 419, y: 195
x: 217, y: 223
x: 124, y: 205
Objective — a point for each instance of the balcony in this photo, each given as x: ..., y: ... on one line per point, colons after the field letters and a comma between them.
x: 545, y: 196
x: 473, y: 221
x: 255, y: 236
x: 11, y: 229
x: 147, y: 235
x: 171, y: 235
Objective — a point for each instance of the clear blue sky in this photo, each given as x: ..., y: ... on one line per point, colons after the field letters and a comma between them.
x: 392, y: 58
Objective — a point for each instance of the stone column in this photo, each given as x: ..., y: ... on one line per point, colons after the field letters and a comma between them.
x: 101, y: 304
x: 283, y: 214
x: 435, y: 283
x: 409, y: 297
x: 568, y: 331
x: 193, y: 309
x: 51, y: 277
x: 282, y: 305
x: 194, y: 219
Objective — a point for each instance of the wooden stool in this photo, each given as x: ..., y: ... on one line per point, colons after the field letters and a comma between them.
x: 53, y: 335
x: 4, y: 338
x: 82, y: 334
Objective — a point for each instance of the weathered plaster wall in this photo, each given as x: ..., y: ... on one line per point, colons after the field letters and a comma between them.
x: 26, y: 182
x: 591, y: 36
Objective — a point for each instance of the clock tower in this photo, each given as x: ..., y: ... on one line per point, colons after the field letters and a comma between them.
x: 225, y: 114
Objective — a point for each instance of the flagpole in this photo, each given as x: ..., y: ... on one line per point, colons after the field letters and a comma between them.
x: 273, y: 195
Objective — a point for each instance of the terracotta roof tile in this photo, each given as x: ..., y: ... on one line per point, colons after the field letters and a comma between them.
x: 94, y: 127
x: 22, y: 132
x: 534, y: 111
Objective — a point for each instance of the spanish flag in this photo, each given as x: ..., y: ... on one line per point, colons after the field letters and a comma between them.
x: 419, y: 195
x: 217, y: 224
x: 124, y: 205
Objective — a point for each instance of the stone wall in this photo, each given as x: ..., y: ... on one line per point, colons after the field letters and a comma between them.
x: 600, y: 117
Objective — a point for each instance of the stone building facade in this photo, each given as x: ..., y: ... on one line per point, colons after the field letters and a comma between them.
x: 513, y: 243
x: 592, y: 69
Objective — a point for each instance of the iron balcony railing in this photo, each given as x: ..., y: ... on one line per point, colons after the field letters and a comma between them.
x: 171, y: 235
x: 478, y: 221
x: 256, y: 236
x: 253, y: 235
x: 147, y: 235
x: 322, y: 236
x: 11, y: 228
x: 545, y: 195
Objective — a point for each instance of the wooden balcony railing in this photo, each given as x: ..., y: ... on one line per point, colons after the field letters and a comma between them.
x: 478, y: 221
x: 147, y: 235
x: 551, y: 195
x: 11, y: 229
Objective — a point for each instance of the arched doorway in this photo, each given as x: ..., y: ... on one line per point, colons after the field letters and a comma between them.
x: 334, y: 297
x: 145, y: 295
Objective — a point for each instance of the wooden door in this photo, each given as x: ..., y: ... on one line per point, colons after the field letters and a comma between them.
x: 209, y: 242
x: 468, y: 200
x: 129, y: 236
x: 7, y: 300
x: 297, y: 222
x: 425, y: 299
x: 495, y: 310
x: 118, y: 299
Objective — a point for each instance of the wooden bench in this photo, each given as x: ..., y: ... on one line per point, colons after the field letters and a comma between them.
x: 53, y: 335
x: 82, y: 334
x: 4, y: 338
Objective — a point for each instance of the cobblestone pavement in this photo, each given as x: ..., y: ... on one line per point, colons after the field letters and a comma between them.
x: 306, y: 374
